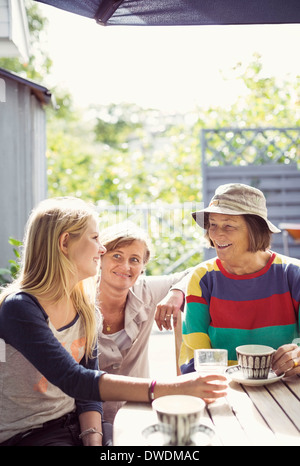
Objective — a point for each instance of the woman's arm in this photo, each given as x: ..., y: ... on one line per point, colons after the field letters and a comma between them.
x: 88, y: 405
x: 91, y: 428
x: 23, y: 325
x: 168, y: 292
x: 115, y: 387
x: 169, y: 307
x: 27, y: 330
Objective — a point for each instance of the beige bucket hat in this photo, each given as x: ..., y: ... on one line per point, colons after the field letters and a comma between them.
x: 236, y: 199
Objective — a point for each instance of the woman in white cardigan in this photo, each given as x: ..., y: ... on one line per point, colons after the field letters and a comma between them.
x: 128, y: 299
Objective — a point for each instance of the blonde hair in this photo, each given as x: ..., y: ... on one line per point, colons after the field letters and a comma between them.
x: 45, y: 270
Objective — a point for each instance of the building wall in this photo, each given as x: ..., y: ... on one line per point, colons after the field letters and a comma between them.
x: 22, y: 162
x: 4, y: 19
x: 14, y: 34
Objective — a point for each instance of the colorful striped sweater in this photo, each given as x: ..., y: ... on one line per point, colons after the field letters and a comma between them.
x: 225, y: 310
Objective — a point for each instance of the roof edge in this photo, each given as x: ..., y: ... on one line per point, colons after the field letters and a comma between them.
x: 41, y: 93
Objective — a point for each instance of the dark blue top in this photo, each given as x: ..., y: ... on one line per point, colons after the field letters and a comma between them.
x: 24, y: 326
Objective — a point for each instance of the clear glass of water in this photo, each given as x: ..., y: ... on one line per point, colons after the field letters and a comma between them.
x: 210, y: 361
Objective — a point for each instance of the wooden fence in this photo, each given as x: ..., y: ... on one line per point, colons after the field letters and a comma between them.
x: 244, y: 156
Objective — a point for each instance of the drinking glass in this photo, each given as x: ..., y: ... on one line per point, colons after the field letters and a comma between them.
x: 210, y: 361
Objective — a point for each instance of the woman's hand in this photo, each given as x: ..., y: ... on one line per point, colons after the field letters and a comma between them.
x: 286, y: 360
x: 168, y: 307
x: 209, y: 387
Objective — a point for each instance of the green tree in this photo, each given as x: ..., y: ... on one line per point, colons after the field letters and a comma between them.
x: 267, y: 102
x: 114, y: 125
x: 123, y: 154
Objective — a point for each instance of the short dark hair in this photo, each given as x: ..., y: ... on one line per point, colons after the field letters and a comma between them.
x: 259, y: 233
x: 258, y: 230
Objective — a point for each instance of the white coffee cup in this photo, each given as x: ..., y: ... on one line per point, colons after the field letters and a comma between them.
x: 255, y: 360
x: 180, y: 413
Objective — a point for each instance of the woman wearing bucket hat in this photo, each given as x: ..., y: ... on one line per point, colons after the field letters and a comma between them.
x: 248, y: 294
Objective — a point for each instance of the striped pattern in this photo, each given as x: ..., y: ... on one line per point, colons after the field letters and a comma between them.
x: 225, y: 311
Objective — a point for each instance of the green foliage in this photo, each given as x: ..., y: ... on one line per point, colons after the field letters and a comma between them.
x: 8, y: 274
x: 113, y: 127
x: 126, y: 155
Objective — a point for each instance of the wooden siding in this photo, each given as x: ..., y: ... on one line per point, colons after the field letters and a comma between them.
x: 22, y: 161
x: 14, y: 33
x: 280, y: 184
x: 4, y: 19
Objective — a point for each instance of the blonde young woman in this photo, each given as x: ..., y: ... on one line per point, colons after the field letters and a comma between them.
x: 51, y: 388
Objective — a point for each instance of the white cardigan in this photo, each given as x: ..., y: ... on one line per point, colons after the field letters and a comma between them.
x: 140, y: 308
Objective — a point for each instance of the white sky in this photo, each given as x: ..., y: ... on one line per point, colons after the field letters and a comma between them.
x: 171, y: 68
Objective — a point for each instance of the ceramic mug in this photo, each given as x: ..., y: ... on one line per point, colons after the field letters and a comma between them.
x: 255, y: 360
x: 180, y: 413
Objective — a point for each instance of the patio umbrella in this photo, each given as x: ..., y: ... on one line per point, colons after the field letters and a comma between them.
x: 183, y: 12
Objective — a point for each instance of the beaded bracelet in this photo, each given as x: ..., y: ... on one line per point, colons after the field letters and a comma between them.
x: 151, y: 391
x: 91, y: 430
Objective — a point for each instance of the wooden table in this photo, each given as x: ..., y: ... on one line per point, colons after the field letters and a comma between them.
x: 292, y: 229
x: 257, y: 416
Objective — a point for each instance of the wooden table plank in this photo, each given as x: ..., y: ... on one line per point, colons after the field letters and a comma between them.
x: 226, y: 425
x: 289, y: 404
x: 294, y: 385
x: 284, y: 430
x: 130, y: 422
x: 251, y: 421
x: 206, y: 420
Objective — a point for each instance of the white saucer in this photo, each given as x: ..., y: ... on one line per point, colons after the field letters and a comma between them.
x: 236, y: 374
x: 157, y: 435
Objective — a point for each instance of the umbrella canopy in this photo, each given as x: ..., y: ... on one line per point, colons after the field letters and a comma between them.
x: 183, y: 12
